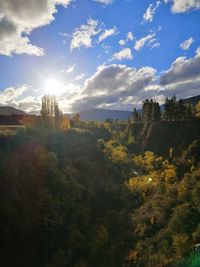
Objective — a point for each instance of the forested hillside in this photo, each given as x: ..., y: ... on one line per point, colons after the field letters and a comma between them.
x: 108, y: 194
x: 160, y: 136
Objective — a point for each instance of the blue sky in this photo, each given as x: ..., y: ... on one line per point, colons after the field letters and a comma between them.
x: 103, y: 53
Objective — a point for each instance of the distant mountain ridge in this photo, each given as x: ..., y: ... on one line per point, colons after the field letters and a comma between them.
x: 190, y: 100
x: 96, y: 114
x: 193, y: 100
x: 102, y: 114
x: 7, y: 110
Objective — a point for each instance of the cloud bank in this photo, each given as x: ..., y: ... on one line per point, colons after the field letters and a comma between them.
x: 121, y: 87
x: 116, y: 86
x: 181, y: 6
x: 17, y: 20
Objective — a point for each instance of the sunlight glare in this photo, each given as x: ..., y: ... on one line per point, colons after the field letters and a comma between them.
x: 53, y: 87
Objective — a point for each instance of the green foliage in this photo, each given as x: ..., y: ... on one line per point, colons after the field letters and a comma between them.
x: 135, y: 116
x: 166, y: 222
x: 197, y: 107
x: 151, y: 111
x: 192, y: 261
x: 80, y: 198
x: 177, y: 110
x: 52, y: 117
x: 115, y: 151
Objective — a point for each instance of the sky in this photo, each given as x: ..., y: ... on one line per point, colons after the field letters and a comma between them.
x: 109, y: 54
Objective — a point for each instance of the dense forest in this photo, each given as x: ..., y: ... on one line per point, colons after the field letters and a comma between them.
x: 111, y: 194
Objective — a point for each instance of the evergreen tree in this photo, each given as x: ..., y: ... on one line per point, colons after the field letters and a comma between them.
x: 156, y: 112
x: 189, y: 112
x: 170, y: 108
x: 180, y: 110
x: 135, y: 115
x: 197, y: 108
x: 177, y: 110
x: 146, y: 111
x: 151, y: 111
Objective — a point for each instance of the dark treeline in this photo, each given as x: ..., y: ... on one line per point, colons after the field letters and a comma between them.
x: 78, y: 196
x: 12, y: 119
x: 173, y: 111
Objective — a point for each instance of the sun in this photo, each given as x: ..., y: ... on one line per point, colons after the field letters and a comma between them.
x: 53, y: 86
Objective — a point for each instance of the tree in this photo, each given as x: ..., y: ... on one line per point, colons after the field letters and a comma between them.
x: 177, y: 110
x: 51, y: 115
x: 146, y: 111
x: 57, y: 115
x: 151, y: 111
x: 76, y: 118
x: 47, y: 110
x: 181, y: 245
x: 169, y: 107
x: 155, y: 113
x: 189, y: 113
x: 29, y: 121
x: 197, y: 107
x: 135, y: 115
x: 65, y: 123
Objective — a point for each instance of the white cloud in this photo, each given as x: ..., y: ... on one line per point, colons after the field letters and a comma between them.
x: 115, y: 86
x: 123, y: 54
x: 181, y: 6
x: 150, y: 42
x: 71, y: 68
x: 129, y: 36
x: 150, y: 12
x: 28, y: 98
x: 139, y: 44
x: 11, y: 93
x: 156, y: 45
x: 107, y: 33
x: 71, y: 93
x: 122, y: 42
x: 183, y: 69
x: 83, y: 35
x: 23, y: 97
x: 153, y: 43
x: 64, y: 34
x: 19, y: 18
x: 79, y: 77
x: 106, y: 2
x: 122, y: 87
x: 187, y: 43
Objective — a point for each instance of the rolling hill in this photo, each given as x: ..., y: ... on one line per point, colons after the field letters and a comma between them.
x: 6, y: 110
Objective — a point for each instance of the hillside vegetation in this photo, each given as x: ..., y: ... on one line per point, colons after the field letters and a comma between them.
x: 160, y: 136
x: 105, y: 194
